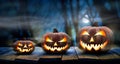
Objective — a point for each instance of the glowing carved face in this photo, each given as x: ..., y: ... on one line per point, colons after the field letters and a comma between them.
x: 24, y: 46
x: 93, y: 38
x: 56, y: 42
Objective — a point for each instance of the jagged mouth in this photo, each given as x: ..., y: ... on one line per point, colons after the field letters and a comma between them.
x: 52, y: 48
x: 24, y: 50
x: 96, y: 47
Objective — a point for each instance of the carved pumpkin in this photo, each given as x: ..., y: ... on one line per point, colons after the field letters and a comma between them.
x: 56, y: 42
x: 95, y: 38
x: 24, y: 46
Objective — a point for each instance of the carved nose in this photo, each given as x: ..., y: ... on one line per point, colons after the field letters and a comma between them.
x: 55, y: 44
x: 25, y: 46
x: 91, y: 39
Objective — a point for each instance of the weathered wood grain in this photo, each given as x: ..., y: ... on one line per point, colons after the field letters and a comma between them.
x: 28, y: 57
x: 73, y: 54
x: 8, y: 57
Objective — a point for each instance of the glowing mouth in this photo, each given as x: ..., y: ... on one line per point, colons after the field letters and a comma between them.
x: 96, y: 47
x: 24, y: 50
x: 55, y: 48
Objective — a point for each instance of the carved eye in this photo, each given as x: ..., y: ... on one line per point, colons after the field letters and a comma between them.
x: 48, y: 39
x: 30, y: 45
x: 85, y: 33
x: 19, y: 44
x: 100, y: 33
x: 63, y: 40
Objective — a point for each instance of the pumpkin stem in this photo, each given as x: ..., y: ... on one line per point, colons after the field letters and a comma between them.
x: 95, y: 24
x: 55, y: 30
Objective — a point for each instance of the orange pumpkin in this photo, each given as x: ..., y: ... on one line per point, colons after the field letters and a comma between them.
x: 95, y: 38
x: 56, y: 42
x: 24, y: 46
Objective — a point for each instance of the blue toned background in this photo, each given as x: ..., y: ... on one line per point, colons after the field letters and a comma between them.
x: 31, y: 19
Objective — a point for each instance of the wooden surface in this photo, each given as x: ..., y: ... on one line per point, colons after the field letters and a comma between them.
x: 73, y: 55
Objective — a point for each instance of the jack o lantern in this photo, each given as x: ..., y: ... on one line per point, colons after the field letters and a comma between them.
x: 24, y: 46
x: 95, y: 38
x: 56, y: 42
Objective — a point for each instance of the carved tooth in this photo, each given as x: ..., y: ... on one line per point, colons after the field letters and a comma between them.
x: 92, y: 45
x: 28, y: 49
x: 23, y: 50
x: 55, y: 47
x: 96, y: 45
x: 59, y: 49
x: 99, y: 45
x: 102, y: 46
x: 96, y: 48
x: 85, y: 45
x: 89, y: 47
x: 52, y: 49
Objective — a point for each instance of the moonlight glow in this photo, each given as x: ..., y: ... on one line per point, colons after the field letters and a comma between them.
x: 85, y: 20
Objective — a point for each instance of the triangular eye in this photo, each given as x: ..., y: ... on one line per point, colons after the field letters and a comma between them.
x: 19, y: 44
x: 48, y: 39
x: 84, y: 33
x: 101, y: 33
x: 30, y: 44
x: 63, y: 40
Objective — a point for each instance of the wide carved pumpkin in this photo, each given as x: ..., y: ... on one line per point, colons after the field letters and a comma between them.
x: 56, y: 42
x: 95, y: 38
x: 24, y: 46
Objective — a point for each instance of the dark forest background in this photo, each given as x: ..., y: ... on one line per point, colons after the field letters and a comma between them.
x: 31, y: 19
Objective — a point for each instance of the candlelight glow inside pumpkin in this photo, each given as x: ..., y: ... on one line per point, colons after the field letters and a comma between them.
x: 23, y: 46
x: 94, y: 38
x: 56, y: 42
x: 55, y: 45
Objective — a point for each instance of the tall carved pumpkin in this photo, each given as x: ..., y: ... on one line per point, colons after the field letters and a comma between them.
x: 94, y: 38
x: 24, y: 46
x: 56, y: 42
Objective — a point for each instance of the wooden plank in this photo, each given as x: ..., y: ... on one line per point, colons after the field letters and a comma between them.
x: 70, y: 54
x: 110, y: 56
x: 8, y: 57
x: 28, y: 57
x: 74, y: 53
x: 87, y: 57
x: 65, y: 57
x: 50, y: 56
